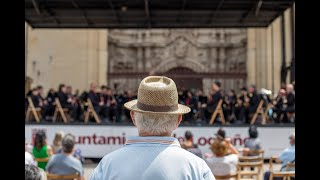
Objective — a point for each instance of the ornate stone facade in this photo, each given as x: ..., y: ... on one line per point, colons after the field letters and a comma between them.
x: 134, y: 54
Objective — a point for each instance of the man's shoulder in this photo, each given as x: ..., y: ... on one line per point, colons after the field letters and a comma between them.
x: 180, y: 153
x: 113, y: 154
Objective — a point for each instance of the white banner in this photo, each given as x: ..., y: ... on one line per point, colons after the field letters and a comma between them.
x: 96, y: 141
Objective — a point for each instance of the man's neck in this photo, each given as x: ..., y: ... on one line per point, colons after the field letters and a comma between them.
x: 67, y: 154
x: 143, y: 134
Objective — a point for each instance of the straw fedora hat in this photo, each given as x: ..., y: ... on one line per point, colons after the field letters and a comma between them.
x: 158, y: 95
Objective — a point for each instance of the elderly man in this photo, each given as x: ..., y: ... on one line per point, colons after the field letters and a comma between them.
x: 64, y: 163
x: 287, y: 156
x: 154, y: 154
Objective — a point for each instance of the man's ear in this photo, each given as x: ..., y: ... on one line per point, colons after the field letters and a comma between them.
x: 132, y: 118
x: 179, y: 120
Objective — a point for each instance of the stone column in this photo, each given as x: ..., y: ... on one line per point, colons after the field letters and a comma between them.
x: 103, y: 56
x: 147, y: 51
x: 251, y: 54
x: 222, y: 58
x: 213, y: 58
x: 139, y: 53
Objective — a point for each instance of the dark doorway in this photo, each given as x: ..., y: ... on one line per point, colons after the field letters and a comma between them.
x: 184, y: 78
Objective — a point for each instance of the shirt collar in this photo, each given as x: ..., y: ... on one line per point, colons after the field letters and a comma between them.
x: 156, y: 140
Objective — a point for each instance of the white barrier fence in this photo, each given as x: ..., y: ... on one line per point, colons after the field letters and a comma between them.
x: 97, y: 141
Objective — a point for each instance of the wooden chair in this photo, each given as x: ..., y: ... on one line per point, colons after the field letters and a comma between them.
x: 250, y: 158
x: 259, y: 111
x: 60, y: 111
x: 70, y: 176
x: 91, y: 112
x: 286, y: 175
x: 244, y: 169
x: 32, y: 111
x: 217, y: 111
x: 228, y: 176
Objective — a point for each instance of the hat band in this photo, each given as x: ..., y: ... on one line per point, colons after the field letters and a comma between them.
x: 167, y: 108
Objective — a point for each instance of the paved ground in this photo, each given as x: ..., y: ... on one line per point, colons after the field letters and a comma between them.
x: 89, y: 166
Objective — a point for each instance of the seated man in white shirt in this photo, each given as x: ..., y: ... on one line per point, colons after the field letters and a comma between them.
x: 154, y: 154
x: 64, y: 163
x: 287, y: 156
x: 28, y: 157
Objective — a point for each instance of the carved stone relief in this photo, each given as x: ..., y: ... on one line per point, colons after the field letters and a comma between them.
x: 159, y: 50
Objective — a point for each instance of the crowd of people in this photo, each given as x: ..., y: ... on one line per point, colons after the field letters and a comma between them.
x: 62, y: 157
x: 225, y: 157
x: 237, y: 108
x: 155, y: 153
x: 65, y: 158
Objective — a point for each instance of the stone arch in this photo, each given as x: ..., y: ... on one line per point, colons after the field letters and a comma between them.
x: 173, y: 63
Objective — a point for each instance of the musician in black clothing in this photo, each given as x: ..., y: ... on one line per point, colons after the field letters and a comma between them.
x: 35, y: 97
x: 127, y: 96
x: 50, y: 99
x: 37, y: 100
x: 215, y: 97
x: 202, y: 104
x: 230, y: 100
x: 109, y: 103
x: 244, y: 102
x: 278, y: 107
x: 191, y: 102
x: 96, y: 100
x: 253, y: 101
x: 66, y: 101
x: 290, y: 102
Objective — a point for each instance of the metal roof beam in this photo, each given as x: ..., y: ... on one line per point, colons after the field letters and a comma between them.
x: 214, y: 14
x: 147, y: 12
x: 115, y: 14
x: 36, y: 7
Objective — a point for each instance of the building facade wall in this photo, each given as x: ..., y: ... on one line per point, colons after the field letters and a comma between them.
x: 79, y: 57
x: 265, y: 54
x: 73, y: 57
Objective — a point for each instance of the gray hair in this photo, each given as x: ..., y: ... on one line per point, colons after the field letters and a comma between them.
x: 32, y: 172
x: 292, y: 136
x: 68, y: 142
x: 155, y: 124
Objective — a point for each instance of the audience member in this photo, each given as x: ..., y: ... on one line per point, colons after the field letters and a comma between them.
x: 57, y: 142
x: 222, y: 163
x: 286, y: 156
x: 64, y: 163
x: 189, y: 145
x: 221, y: 134
x: 41, y: 149
x: 253, y: 144
x: 28, y: 157
x: 34, y: 173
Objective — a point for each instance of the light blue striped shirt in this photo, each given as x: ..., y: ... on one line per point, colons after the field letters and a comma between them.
x: 152, y: 158
x: 287, y: 156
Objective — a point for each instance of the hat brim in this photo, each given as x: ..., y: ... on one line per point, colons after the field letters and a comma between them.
x: 132, y: 106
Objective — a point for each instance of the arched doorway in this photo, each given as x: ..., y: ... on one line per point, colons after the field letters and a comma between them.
x: 184, y: 78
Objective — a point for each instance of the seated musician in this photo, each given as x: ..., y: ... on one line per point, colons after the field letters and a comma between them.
x: 215, y: 97
x: 66, y: 101
x: 254, y: 101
